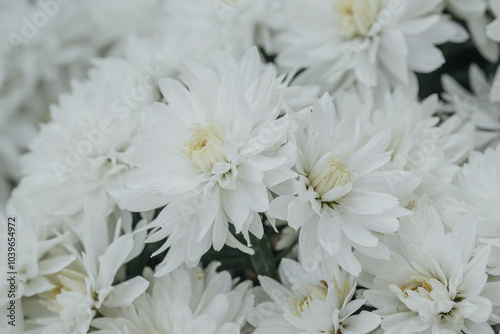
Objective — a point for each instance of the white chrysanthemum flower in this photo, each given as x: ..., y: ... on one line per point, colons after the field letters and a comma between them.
x: 81, y: 289
x: 317, y: 302
x: 202, y: 31
x: 420, y: 141
x: 186, y: 301
x: 477, y: 17
x: 342, y: 198
x: 477, y: 190
x: 46, y: 44
x: 50, y: 43
x: 210, y: 153
x: 376, y: 42
x: 434, y: 281
x: 38, y: 254
x: 477, y: 105
x: 79, y: 159
x: 215, y: 26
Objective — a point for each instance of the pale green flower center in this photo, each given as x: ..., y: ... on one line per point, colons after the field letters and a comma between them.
x: 205, y: 146
x: 65, y: 280
x: 325, y: 177
x: 356, y: 16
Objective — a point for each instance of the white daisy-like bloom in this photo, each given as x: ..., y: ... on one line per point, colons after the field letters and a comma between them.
x: 479, y: 21
x: 202, y: 31
x: 35, y: 258
x: 47, y: 44
x: 88, y: 284
x: 226, y: 25
x: 435, y: 282
x: 476, y: 190
x: 210, y: 152
x: 375, y: 42
x: 317, y: 302
x: 38, y: 253
x: 50, y: 43
x: 420, y: 142
x: 476, y: 105
x: 186, y: 301
x: 341, y: 198
x: 79, y: 159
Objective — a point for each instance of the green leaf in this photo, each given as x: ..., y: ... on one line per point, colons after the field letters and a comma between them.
x: 229, y: 258
x: 263, y: 260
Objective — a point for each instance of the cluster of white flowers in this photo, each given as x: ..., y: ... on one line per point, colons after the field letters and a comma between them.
x: 45, y: 45
x: 249, y: 166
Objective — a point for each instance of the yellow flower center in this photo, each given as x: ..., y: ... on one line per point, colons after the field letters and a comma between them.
x: 356, y: 16
x: 205, y: 146
x: 318, y: 292
x: 334, y: 173
x: 415, y: 284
